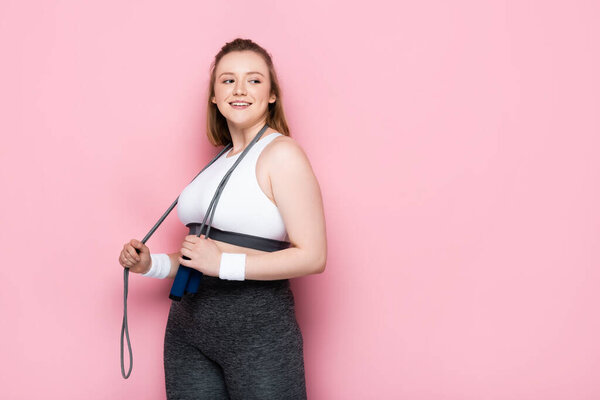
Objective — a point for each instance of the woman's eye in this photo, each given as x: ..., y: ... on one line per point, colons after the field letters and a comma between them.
x: 253, y: 80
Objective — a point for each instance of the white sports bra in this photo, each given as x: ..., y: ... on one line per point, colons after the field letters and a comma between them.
x: 243, y: 207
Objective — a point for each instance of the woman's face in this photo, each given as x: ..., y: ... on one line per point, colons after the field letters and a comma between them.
x: 243, y: 76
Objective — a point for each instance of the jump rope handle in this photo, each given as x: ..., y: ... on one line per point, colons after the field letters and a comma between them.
x: 181, y: 281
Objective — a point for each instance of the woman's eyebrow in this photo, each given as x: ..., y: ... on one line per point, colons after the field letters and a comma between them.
x: 248, y: 73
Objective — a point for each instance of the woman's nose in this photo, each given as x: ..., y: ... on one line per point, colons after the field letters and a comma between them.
x: 239, y: 89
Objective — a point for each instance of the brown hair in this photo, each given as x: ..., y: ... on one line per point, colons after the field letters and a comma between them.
x: 217, y: 129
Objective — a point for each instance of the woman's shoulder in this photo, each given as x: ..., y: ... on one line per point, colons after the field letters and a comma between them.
x: 284, y: 149
x: 284, y: 157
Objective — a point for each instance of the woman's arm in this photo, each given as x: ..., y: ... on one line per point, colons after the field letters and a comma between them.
x: 174, y: 257
x: 298, y: 197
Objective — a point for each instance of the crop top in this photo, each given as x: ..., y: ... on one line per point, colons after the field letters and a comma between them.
x: 242, y: 207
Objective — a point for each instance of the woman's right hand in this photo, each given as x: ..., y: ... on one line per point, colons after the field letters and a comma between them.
x: 129, y: 258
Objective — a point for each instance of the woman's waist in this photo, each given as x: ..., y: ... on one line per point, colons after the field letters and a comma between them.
x: 249, y: 285
x: 216, y: 296
x: 237, y: 241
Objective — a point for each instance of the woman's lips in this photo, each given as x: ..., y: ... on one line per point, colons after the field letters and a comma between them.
x: 240, y: 107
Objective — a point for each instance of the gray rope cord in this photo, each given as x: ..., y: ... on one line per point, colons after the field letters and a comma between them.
x: 211, y: 210
x: 125, y: 327
x: 213, y: 204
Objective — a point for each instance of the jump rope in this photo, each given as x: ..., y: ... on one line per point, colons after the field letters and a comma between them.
x: 187, y: 279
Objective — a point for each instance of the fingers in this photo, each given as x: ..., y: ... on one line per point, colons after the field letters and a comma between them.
x: 131, y: 251
x: 129, y: 255
x: 137, y: 245
x: 128, y: 258
x: 193, y: 238
x: 135, y: 256
x: 124, y: 262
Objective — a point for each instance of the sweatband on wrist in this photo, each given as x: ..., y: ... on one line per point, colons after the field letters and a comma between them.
x: 233, y: 266
x: 160, y: 267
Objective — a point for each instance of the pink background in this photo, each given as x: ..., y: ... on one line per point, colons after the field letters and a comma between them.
x: 456, y: 144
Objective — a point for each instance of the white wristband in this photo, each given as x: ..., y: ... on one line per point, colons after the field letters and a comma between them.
x: 160, y: 267
x: 233, y: 266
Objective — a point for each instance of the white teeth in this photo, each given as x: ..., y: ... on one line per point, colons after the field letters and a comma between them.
x: 240, y: 104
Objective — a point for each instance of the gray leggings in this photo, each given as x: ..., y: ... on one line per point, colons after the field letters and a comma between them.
x: 234, y: 340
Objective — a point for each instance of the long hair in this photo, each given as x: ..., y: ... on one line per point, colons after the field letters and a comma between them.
x: 217, y: 129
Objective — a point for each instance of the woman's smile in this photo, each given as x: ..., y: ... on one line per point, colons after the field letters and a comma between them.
x: 240, y: 106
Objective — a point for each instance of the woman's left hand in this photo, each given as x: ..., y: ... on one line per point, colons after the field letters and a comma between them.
x: 204, y: 255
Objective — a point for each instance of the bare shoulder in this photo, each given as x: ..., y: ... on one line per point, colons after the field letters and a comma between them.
x: 285, y: 151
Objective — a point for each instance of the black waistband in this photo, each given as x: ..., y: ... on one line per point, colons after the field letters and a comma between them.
x: 239, y: 239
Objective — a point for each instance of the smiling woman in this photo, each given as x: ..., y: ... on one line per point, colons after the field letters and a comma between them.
x: 243, y: 76
x: 238, y: 337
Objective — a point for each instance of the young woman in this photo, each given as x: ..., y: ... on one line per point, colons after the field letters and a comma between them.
x: 238, y: 337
